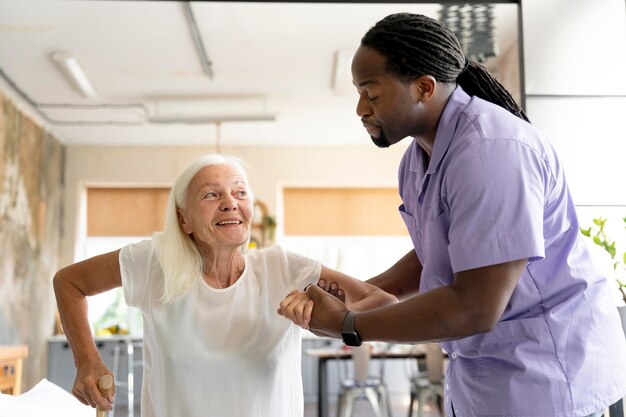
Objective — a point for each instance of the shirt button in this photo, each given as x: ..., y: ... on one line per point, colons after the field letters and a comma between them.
x: 447, y: 386
x: 453, y: 355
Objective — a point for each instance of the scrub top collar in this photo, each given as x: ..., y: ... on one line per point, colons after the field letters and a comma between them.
x: 446, y: 128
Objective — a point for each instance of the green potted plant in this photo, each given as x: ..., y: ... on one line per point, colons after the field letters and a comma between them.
x: 617, y: 256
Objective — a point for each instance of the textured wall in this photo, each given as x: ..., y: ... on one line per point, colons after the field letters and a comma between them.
x: 31, y: 185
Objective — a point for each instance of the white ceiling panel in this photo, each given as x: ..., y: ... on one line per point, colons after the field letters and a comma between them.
x: 140, y: 56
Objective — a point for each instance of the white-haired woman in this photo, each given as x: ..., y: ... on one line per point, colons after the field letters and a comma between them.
x: 214, y: 344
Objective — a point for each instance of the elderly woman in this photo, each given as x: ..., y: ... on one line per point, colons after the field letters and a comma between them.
x: 214, y: 344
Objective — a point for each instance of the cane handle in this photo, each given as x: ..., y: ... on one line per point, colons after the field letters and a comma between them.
x: 105, y: 384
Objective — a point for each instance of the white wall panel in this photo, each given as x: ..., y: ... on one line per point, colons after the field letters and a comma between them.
x: 574, y: 46
x: 589, y: 135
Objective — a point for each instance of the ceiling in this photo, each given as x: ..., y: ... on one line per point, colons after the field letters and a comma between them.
x: 269, y: 60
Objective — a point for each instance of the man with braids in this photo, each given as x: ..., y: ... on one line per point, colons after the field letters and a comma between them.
x: 498, y: 274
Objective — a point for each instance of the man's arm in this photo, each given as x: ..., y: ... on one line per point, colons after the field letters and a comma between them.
x: 472, y: 304
x: 402, y: 279
x: 71, y: 286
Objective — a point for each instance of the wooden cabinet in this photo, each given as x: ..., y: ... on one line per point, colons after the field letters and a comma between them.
x: 11, y: 362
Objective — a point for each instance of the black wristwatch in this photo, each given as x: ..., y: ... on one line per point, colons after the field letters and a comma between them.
x: 348, y: 334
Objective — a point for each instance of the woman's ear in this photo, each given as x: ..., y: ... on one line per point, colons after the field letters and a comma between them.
x: 424, y: 88
x: 184, y: 226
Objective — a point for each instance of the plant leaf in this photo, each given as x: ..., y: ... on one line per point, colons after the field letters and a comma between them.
x: 586, y: 232
x: 611, y: 250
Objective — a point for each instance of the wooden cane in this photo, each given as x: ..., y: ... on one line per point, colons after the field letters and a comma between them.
x: 105, y: 383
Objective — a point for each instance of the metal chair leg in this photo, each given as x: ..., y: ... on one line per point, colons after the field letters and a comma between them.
x: 372, y: 397
x: 421, y: 400
x: 385, y: 400
x: 340, y: 405
x: 411, y: 402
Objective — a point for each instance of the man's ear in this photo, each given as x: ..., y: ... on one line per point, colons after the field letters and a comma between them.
x: 423, y: 88
x: 182, y: 223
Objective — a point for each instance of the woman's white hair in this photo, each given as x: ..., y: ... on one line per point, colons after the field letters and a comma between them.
x: 178, y: 255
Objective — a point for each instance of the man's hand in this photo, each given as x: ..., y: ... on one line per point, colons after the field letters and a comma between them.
x: 328, y: 314
x: 332, y: 289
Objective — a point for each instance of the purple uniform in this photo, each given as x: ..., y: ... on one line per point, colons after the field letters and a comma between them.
x: 494, y: 191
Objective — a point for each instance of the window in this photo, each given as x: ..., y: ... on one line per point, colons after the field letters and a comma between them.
x: 117, y: 217
x: 357, y: 231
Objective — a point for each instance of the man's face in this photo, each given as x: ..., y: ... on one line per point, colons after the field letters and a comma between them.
x: 386, y: 106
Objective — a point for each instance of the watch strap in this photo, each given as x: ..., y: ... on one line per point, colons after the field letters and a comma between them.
x: 348, y: 333
x: 348, y: 322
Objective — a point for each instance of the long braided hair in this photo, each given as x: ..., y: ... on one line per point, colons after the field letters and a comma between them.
x: 415, y: 45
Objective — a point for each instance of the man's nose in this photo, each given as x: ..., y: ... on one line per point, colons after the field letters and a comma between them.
x: 363, y: 108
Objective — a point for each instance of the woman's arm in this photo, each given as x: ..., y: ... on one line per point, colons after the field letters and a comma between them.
x: 71, y: 286
x: 357, y: 295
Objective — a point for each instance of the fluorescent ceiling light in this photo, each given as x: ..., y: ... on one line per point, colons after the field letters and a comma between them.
x: 74, y: 72
x: 209, y: 110
x: 94, y: 114
x: 211, y: 119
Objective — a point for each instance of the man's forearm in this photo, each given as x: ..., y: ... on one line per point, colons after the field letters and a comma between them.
x: 372, y: 300
x: 402, y: 279
x: 437, y: 315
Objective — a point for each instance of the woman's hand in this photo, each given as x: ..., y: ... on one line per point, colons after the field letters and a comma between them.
x: 297, y: 305
x: 86, y: 385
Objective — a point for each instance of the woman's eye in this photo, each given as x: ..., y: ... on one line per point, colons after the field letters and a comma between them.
x: 242, y: 194
x: 372, y: 99
x: 210, y: 194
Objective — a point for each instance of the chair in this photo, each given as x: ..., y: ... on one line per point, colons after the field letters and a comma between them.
x: 363, y: 386
x: 132, y: 363
x: 11, y: 362
x: 429, y: 384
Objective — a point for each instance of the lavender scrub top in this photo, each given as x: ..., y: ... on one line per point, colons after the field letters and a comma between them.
x: 494, y: 191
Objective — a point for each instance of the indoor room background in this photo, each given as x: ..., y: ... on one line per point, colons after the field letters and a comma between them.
x: 570, y: 72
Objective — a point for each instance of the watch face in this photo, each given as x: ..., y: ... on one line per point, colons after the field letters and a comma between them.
x: 351, y: 338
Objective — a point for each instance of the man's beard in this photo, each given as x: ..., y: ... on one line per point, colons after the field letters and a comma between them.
x: 381, y: 141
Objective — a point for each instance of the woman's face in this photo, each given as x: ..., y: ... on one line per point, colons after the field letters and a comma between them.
x: 217, y: 211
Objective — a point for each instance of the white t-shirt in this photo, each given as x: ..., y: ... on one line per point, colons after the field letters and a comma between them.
x: 220, y: 352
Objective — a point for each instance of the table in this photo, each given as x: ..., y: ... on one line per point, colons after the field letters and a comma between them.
x: 324, y: 355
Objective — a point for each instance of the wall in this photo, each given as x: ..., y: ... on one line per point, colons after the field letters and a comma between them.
x: 269, y: 169
x: 575, y: 55
x: 31, y: 179
x: 576, y: 93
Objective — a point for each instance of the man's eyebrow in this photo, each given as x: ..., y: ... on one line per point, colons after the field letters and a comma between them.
x: 364, y: 83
